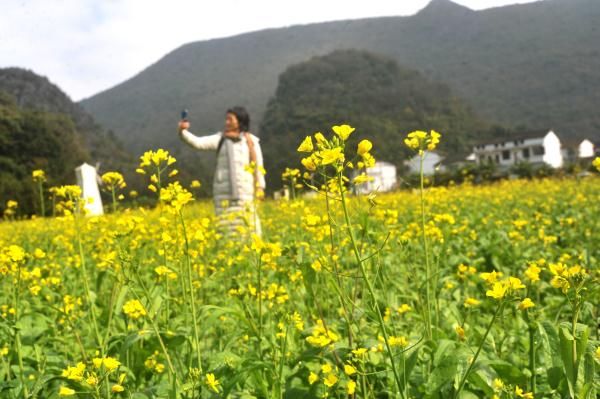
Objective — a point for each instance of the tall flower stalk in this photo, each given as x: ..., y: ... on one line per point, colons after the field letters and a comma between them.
x: 176, y: 197
x: 114, y: 181
x: 330, y: 155
x: 39, y: 177
x: 421, y: 142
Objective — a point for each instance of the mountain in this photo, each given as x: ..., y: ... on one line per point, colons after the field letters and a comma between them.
x: 32, y: 140
x: 34, y: 92
x: 533, y: 65
x: 372, y: 93
x: 41, y: 128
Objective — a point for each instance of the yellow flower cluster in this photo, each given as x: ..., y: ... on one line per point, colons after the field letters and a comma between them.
x: 500, y: 289
x: 74, y: 373
x: 134, y: 309
x: 328, y: 152
x: 292, y: 176
x: 212, y: 382
x: 113, y: 180
x: 164, y: 271
x: 90, y: 378
x: 71, y: 192
x: 157, y: 158
x: 175, y: 196
x: 109, y: 363
x: 421, y: 141
x: 564, y: 277
x: 253, y: 168
x: 331, y: 379
x: 157, y: 162
x: 364, y: 146
x: 11, y: 207
x: 38, y: 175
x: 70, y: 199
x: 322, y: 336
x: 152, y: 364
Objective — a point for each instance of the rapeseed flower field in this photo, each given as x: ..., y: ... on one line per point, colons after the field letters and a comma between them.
x: 488, y: 291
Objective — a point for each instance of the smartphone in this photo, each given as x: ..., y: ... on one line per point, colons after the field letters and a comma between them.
x: 184, y: 115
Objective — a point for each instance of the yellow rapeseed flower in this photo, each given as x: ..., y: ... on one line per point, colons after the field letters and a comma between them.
x: 471, y: 302
x: 306, y: 145
x: 596, y: 163
x: 526, y: 304
x: 38, y: 175
x: 117, y: 388
x: 109, y: 363
x: 64, y: 391
x: 343, y: 131
x: 310, y: 163
x: 330, y: 156
x: 74, y: 373
x: 134, y: 309
x: 522, y: 394
x: 212, y: 382
x: 498, y: 291
x: 330, y: 380
x: 113, y: 180
x: 364, y: 147
x: 351, y: 387
x: 349, y: 369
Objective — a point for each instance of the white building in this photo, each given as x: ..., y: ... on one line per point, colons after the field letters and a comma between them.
x: 574, y: 150
x: 87, y: 179
x: 541, y: 147
x: 384, y: 178
x: 431, y: 163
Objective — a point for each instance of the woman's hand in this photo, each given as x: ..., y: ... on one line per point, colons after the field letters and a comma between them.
x: 183, y: 125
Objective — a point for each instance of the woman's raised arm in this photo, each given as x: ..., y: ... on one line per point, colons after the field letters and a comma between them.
x: 210, y: 142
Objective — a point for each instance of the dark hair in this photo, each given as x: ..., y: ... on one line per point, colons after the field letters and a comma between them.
x: 242, y: 116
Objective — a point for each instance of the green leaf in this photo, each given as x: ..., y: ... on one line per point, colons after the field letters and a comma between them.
x: 570, y: 357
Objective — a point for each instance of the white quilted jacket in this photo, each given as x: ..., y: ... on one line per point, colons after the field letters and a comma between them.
x: 231, y: 180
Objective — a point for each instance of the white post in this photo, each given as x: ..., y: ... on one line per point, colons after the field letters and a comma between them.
x: 87, y: 179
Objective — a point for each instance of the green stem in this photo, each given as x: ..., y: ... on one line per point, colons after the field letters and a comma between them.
x: 41, y: 190
x: 154, y: 323
x: 532, y: 363
x: 114, y: 292
x: 260, y: 315
x: 426, y: 250
x: 574, y: 327
x: 191, y: 288
x: 86, y: 287
x: 487, y: 331
x: 18, y: 334
x: 369, y: 285
x: 114, y: 199
x: 339, y: 288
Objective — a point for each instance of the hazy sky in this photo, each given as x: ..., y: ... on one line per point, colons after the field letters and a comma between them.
x: 86, y: 46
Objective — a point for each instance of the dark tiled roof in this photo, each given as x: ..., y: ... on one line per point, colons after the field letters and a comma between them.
x: 529, y: 134
x: 455, y: 157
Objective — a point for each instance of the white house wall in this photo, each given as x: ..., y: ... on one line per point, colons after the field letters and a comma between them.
x: 552, y: 150
x: 546, y: 149
x: 429, y: 162
x: 384, y: 178
x: 586, y: 149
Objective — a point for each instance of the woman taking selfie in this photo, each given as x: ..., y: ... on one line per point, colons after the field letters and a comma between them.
x: 238, y: 179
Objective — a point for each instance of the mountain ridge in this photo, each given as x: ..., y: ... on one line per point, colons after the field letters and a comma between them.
x: 36, y: 93
x: 525, y: 78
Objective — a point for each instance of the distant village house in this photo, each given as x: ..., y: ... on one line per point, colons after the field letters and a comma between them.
x: 538, y: 147
x: 384, y: 178
x: 431, y: 163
